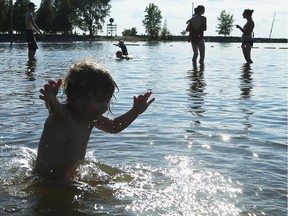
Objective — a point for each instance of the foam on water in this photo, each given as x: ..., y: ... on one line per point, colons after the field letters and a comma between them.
x: 179, y: 189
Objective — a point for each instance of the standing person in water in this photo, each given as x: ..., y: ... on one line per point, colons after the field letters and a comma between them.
x: 247, y: 39
x: 196, y: 27
x: 30, y: 28
x: 88, y: 88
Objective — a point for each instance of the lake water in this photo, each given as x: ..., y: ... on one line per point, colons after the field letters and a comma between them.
x: 214, y: 142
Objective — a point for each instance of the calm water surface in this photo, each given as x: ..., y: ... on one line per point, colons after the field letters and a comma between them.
x: 214, y: 142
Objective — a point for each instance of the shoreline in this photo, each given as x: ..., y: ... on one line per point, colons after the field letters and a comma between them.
x: 68, y: 38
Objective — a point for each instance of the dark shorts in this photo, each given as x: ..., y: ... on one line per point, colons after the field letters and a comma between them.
x: 32, y: 45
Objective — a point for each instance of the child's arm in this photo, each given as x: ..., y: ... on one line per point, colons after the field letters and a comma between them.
x: 49, y: 92
x: 140, y: 104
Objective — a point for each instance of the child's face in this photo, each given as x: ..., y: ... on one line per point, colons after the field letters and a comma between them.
x: 98, y: 105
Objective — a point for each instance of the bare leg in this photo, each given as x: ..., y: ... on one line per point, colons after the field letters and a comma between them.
x: 201, y: 46
x: 31, y: 54
x: 195, y: 52
x: 246, y: 48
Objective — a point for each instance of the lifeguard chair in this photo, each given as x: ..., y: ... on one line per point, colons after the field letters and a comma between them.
x: 111, y: 28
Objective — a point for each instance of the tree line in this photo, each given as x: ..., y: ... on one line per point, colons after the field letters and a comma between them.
x: 62, y: 16
x: 56, y: 16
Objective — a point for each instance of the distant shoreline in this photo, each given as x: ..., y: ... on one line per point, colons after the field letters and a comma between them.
x: 66, y: 38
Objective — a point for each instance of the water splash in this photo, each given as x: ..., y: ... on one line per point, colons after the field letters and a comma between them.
x: 179, y: 189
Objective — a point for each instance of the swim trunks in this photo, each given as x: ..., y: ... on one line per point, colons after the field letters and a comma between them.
x: 32, y: 45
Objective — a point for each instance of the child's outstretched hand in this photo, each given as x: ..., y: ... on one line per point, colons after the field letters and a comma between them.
x: 141, y: 103
x: 50, y: 90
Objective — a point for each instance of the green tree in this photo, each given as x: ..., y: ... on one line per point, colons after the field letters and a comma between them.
x: 152, y: 21
x: 62, y: 20
x: 45, y: 16
x: 4, y: 15
x: 91, y: 14
x: 130, y: 32
x: 165, y: 33
x: 19, y: 10
x: 225, y: 25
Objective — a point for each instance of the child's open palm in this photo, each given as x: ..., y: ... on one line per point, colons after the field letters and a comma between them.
x: 50, y: 90
x: 141, y: 103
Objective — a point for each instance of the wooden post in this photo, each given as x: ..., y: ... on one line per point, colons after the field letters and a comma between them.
x: 11, y: 22
x: 272, y: 25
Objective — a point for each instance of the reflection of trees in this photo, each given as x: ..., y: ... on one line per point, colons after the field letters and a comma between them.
x: 246, y: 86
x: 196, y: 90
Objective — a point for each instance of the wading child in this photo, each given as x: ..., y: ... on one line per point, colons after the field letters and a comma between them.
x: 88, y: 88
x: 123, y: 47
x: 120, y: 56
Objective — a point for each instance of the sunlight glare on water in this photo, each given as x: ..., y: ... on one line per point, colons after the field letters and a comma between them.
x: 180, y: 189
x: 214, y: 142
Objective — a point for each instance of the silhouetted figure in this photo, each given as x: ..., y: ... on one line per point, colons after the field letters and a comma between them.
x: 123, y: 47
x: 196, y: 27
x: 30, y: 28
x: 247, y: 40
x: 120, y: 56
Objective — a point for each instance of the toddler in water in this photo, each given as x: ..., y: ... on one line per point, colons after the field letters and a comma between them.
x: 88, y: 88
x: 120, y: 56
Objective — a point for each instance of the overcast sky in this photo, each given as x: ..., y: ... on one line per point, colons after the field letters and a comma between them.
x: 130, y: 13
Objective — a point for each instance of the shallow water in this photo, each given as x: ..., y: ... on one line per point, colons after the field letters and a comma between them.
x: 214, y: 142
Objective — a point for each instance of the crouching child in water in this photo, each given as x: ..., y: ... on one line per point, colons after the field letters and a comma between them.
x: 120, y: 56
x: 88, y: 88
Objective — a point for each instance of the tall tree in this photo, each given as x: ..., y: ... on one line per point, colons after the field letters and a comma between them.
x: 45, y: 16
x: 4, y: 16
x: 19, y: 10
x: 62, y: 20
x: 225, y: 25
x: 91, y: 14
x: 152, y: 21
x: 165, y: 33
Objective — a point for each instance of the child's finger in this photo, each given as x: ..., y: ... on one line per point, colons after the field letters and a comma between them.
x: 42, y: 91
x: 51, y: 82
x: 59, y: 82
x: 147, y: 95
x: 150, y: 101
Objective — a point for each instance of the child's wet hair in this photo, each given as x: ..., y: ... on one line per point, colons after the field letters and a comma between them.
x: 86, y: 77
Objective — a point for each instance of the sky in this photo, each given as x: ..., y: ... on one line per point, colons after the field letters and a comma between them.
x: 130, y: 13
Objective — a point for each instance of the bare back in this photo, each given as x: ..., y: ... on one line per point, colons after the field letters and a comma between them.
x: 196, y: 22
x: 62, y: 146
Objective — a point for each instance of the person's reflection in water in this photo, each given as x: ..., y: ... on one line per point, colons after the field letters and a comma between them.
x: 30, y: 70
x: 246, y: 87
x: 196, y: 91
x: 246, y: 81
